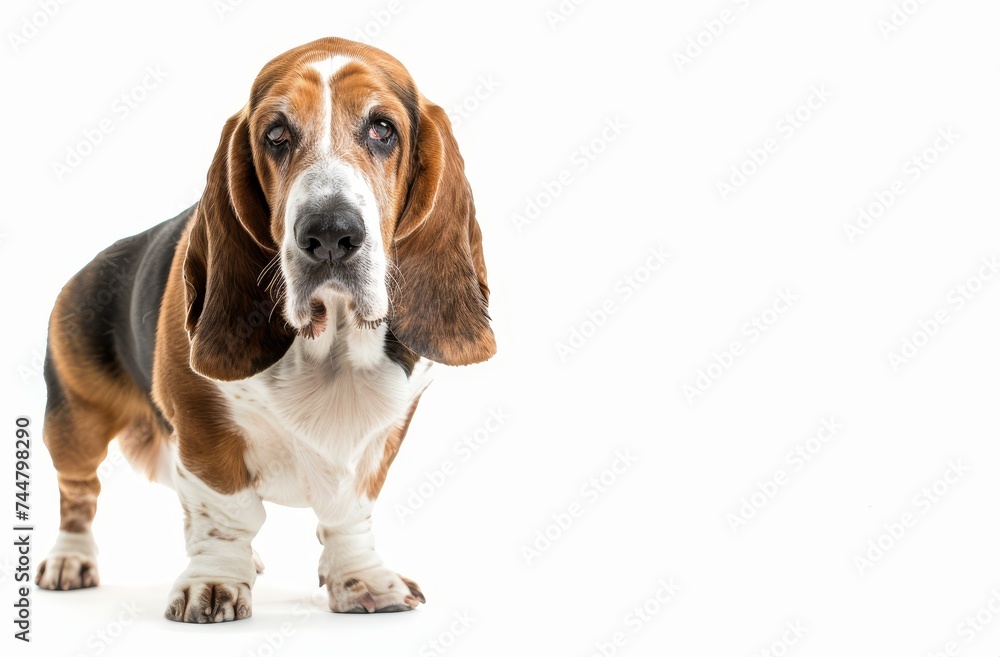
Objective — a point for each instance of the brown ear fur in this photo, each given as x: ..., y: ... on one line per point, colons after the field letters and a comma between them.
x: 232, y: 323
x: 440, y: 305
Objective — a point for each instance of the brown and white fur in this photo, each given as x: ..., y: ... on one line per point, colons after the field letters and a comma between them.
x: 272, y: 342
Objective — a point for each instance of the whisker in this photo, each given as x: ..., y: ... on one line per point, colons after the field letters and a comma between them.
x: 275, y: 279
x: 395, y: 285
x: 271, y: 263
x: 277, y: 300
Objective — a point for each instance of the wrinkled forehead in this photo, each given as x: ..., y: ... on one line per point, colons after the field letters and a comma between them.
x: 346, y: 82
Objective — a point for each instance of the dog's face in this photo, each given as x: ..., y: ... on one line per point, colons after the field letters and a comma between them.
x: 333, y: 147
x: 337, y: 178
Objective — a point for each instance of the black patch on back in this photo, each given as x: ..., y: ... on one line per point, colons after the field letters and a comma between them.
x: 113, y: 304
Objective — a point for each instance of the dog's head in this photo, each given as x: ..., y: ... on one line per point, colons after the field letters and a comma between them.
x: 338, y: 178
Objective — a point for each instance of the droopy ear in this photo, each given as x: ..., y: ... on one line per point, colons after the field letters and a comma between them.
x: 232, y: 323
x: 440, y: 305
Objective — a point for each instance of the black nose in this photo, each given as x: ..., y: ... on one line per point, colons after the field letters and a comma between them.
x: 333, y: 234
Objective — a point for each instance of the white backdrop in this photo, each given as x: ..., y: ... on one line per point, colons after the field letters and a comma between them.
x: 744, y: 268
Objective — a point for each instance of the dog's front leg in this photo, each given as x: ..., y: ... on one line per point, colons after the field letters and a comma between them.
x: 356, y: 579
x: 218, y: 528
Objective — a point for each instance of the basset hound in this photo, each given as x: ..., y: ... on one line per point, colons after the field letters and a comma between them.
x: 272, y: 341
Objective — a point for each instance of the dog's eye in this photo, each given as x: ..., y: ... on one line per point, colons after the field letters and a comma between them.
x: 278, y: 135
x: 381, y: 130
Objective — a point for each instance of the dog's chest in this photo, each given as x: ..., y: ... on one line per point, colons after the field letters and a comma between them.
x: 316, y: 421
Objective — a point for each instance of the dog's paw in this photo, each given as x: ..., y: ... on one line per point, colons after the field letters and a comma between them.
x: 72, y: 563
x: 374, y: 590
x: 67, y: 571
x: 209, y: 601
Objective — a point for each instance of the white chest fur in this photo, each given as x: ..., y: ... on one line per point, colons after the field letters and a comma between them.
x: 316, y: 421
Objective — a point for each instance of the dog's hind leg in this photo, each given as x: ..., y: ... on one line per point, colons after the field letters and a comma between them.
x: 77, y: 435
x: 88, y: 404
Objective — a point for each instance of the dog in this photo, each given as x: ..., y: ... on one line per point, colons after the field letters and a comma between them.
x: 272, y: 341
